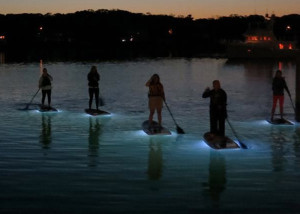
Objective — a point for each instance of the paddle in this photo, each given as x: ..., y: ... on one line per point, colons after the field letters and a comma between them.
x: 41, y: 71
x: 179, y: 130
x: 28, y: 104
x: 292, y: 103
x: 243, y: 146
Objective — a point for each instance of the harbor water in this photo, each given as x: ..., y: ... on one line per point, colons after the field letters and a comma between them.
x: 70, y: 162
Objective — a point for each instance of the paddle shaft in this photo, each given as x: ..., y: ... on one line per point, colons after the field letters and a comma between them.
x: 32, y: 98
x: 170, y: 112
x: 234, y: 132
x: 288, y: 90
x: 292, y: 103
x: 41, y: 71
x: 179, y: 130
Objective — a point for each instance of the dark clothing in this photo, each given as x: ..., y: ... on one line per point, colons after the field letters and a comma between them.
x: 92, y: 92
x: 45, y: 82
x: 278, y: 86
x: 45, y: 85
x: 93, y: 79
x: 217, y: 110
x: 48, y: 93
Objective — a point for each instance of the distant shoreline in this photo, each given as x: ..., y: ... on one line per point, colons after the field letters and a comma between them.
x: 117, y: 34
x: 213, y: 16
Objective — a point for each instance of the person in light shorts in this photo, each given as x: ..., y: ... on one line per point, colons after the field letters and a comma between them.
x: 156, y: 96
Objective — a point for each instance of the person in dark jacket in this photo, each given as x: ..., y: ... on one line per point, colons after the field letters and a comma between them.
x: 45, y: 85
x: 217, y: 108
x: 93, y: 79
x: 278, y: 86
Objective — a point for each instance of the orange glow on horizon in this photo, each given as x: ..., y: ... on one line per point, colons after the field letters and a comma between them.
x: 198, y: 9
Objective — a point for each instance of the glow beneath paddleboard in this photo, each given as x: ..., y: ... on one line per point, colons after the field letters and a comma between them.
x: 202, y: 144
x: 142, y: 133
x: 48, y: 112
x: 100, y: 115
x: 58, y: 111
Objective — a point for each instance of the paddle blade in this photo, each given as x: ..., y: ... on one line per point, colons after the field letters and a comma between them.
x: 179, y: 130
x: 243, y: 146
x: 26, y: 108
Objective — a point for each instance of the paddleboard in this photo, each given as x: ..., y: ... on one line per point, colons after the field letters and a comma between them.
x: 279, y: 121
x: 219, y: 142
x: 154, y: 129
x: 47, y: 109
x: 95, y: 112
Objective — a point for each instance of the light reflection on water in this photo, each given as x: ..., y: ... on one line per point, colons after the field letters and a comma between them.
x: 109, y: 164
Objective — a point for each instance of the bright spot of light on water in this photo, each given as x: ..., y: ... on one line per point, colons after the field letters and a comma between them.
x: 142, y: 133
x: 202, y: 145
x: 97, y: 116
x: 50, y: 112
x: 266, y: 123
x: 47, y: 112
x: 261, y: 122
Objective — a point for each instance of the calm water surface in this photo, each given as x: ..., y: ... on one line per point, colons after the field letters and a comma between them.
x: 68, y: 162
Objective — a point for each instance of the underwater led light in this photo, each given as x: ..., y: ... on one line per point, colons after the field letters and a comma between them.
x: 261, y: 122
x: 201, y: 144
x: 47, y: 112
x: 97, y: 116
x: 142, y: 133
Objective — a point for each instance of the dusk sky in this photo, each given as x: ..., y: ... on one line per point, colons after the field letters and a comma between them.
x: 197, y: 8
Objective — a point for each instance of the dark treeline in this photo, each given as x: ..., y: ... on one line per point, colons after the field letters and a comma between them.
x: 120, y: 34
